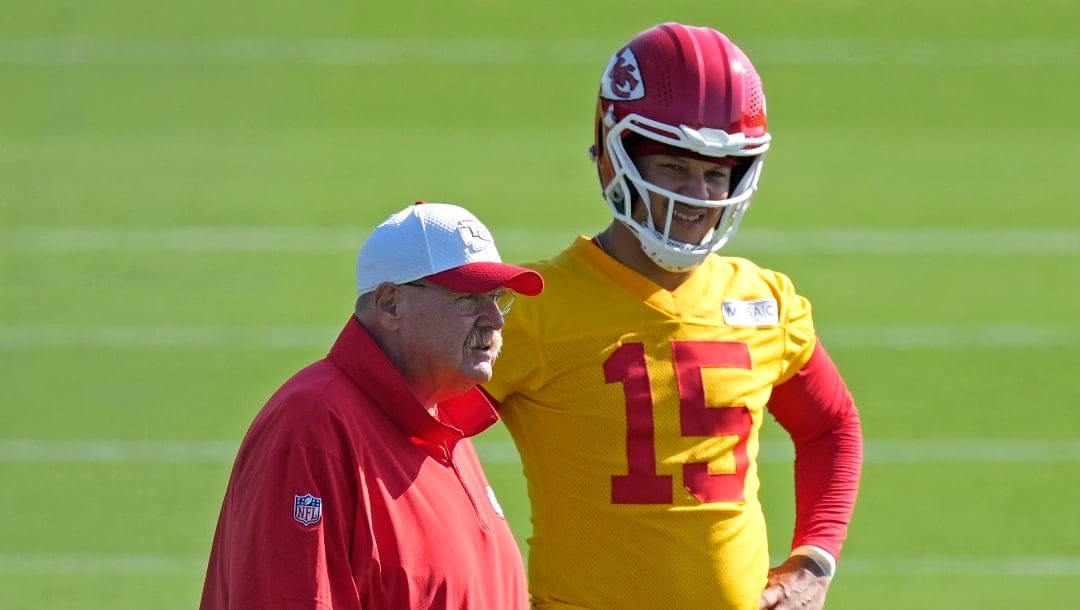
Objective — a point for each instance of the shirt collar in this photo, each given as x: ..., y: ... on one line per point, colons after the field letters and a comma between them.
x: 465, y: 415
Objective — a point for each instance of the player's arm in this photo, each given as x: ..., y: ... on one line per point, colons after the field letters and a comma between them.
x: 816, y: 409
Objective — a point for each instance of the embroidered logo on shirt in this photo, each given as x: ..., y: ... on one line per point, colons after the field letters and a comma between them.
x: 763, y: 312
x: 494, y: 501
x: 307, y: 509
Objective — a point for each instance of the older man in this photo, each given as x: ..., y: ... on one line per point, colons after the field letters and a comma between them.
x: 356, y: 485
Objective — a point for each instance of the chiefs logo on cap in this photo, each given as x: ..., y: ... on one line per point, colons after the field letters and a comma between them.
x: 475, y: 235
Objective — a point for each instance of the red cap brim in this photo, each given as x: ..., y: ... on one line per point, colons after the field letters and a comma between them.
x: 478, y: 278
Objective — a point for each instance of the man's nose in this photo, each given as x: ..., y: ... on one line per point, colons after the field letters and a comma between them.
x: 491, y: 316
x: 697, y: 186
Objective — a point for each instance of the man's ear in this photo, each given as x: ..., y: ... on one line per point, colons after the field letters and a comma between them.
x: 386, y: 303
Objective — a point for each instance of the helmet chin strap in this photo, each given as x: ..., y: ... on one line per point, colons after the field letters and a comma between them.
x: 670, y: 255
x: 672, y: 261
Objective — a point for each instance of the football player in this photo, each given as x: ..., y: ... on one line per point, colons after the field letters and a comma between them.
x: 635, y: 388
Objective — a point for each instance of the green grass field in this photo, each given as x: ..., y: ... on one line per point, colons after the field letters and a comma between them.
x: 183, y: 188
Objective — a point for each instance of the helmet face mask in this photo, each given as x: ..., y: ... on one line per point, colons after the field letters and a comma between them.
x: 657, y: 88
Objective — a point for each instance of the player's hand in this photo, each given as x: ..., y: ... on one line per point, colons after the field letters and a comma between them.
x: 796, y: 584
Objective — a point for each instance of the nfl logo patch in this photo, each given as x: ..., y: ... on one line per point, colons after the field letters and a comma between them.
x: 307, y: 509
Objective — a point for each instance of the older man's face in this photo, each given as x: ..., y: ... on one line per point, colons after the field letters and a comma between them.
x: 451, y: 339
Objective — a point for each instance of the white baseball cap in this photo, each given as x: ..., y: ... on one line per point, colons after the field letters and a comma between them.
x: 443, y: 244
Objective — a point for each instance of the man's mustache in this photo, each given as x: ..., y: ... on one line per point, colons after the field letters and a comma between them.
x: 483, y: 338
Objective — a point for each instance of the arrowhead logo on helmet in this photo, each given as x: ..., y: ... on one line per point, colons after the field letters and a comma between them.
x: 622, y: 77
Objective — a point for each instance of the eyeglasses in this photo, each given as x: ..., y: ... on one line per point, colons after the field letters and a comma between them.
x: 473, y: 304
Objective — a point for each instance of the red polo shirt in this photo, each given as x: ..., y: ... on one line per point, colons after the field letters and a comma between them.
x: 346, y: 493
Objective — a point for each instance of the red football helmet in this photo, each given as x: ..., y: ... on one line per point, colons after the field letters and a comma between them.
x: 693, y: 89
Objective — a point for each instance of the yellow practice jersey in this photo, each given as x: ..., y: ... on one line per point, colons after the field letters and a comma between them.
x: 636, y: 412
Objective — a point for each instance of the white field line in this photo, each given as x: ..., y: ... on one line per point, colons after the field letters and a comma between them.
x: 911, y: 451
x: 931, y: 53
x: 1036, y: 566
x: 903, y: 337
x: 931, y: 241
x: 30, y: 337
x: 897, y: 337
x: 1039, y: 566
x: 70, y: 563
x: 116, y: 451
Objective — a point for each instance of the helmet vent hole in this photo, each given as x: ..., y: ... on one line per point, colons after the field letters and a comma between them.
x: 755, y: 100
x: 666, y: 94
x: 754, y: 112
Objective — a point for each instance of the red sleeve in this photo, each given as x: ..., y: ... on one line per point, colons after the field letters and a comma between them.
x: 269, y: 553
x: 818, y: 412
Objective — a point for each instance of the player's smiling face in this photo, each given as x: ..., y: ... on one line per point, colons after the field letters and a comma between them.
x: 690, y: 177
